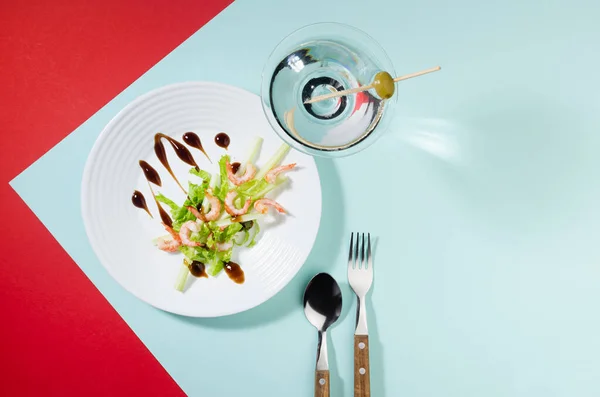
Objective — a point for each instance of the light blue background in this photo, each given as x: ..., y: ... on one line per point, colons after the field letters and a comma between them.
x: 484, y: 197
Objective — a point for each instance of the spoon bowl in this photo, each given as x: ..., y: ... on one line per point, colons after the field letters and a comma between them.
x: 322, y: 307
x: 322, y: 301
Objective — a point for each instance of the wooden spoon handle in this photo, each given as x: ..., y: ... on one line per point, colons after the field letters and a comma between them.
x: 362, y: 382
x: 322, y: 383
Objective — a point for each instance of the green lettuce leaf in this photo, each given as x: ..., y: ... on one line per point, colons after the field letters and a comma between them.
x: 162, y: 199
x: 225, y: 256
x: 256, y: 230
x: 180, y: 215
x: 246, y: 188
x: 241, y: 239
x: 205, y: 175
x: 257, y: 189
x: 219, y: 262
x: 210, y: 241
x: 226, y: 235
x: 216, y: 268
x: 196, y: 193
x: 200, y: 254
x: 202, y: 235
x: 224, y: 182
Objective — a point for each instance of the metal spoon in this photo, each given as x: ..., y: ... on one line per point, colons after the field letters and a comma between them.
x: 322, y: 307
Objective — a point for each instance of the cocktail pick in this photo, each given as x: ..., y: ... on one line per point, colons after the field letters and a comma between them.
x: 383, y: 81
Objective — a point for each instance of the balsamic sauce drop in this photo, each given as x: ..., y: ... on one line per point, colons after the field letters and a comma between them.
x: 198, y: 269
x: 150, y: 173
x: 235, y: 272
x: 194, y: 141
x: 139, y: 201
x: 222, y: 140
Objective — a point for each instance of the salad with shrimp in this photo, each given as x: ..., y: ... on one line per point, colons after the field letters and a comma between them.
x: 223, y: 212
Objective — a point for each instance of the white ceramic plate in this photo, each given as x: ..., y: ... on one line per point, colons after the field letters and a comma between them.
x: 121, y: 234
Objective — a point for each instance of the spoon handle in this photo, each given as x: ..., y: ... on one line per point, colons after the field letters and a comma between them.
x: 362, y: 382
x: 322, y: 383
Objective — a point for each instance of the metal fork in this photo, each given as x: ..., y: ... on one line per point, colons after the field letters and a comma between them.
x: 360, y: 277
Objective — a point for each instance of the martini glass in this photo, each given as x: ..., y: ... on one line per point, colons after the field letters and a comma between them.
x: 319, y: 59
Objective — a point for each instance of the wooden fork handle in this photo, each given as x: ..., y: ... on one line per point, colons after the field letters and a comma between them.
x: 322, y: 383
x: 362, y: 382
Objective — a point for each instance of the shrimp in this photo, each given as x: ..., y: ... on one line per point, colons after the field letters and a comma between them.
x: 215, y: 206
x: 248, y: 174
x: 169, y: 245
x: 224, y: 246
x: 172, y: 232
x: 199, y: 215
x: 184, y: 233
x: 272, y: 175
x: 230, y: 207
x: 262, y: 204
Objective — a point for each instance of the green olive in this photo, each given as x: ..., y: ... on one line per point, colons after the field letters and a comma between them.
x: 384, y: 85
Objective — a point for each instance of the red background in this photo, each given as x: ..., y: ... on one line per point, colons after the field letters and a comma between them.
x: 61, y: 61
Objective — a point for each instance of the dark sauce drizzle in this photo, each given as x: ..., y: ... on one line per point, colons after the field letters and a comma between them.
x: 194, y: 141
x: 235, y: 167
x: 222, y: 140
x: 166, y: 219
x: 152, y: 177
x: 150, y: 173
x: 139, y: 201
x: 235, y: 272
x: 197, y: 269
x: 180, y: 150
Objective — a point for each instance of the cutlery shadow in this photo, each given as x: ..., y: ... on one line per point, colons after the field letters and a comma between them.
x: 322, y: 258
x: 336, y: 383
x: 348, y: 301
x: 376, y: 354
x: 375, y: 346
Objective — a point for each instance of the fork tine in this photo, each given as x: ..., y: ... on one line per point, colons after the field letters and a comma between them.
x: 369, y: 257
x: 356, y: 261
x: 363, y: 259
x: 350, y: 261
